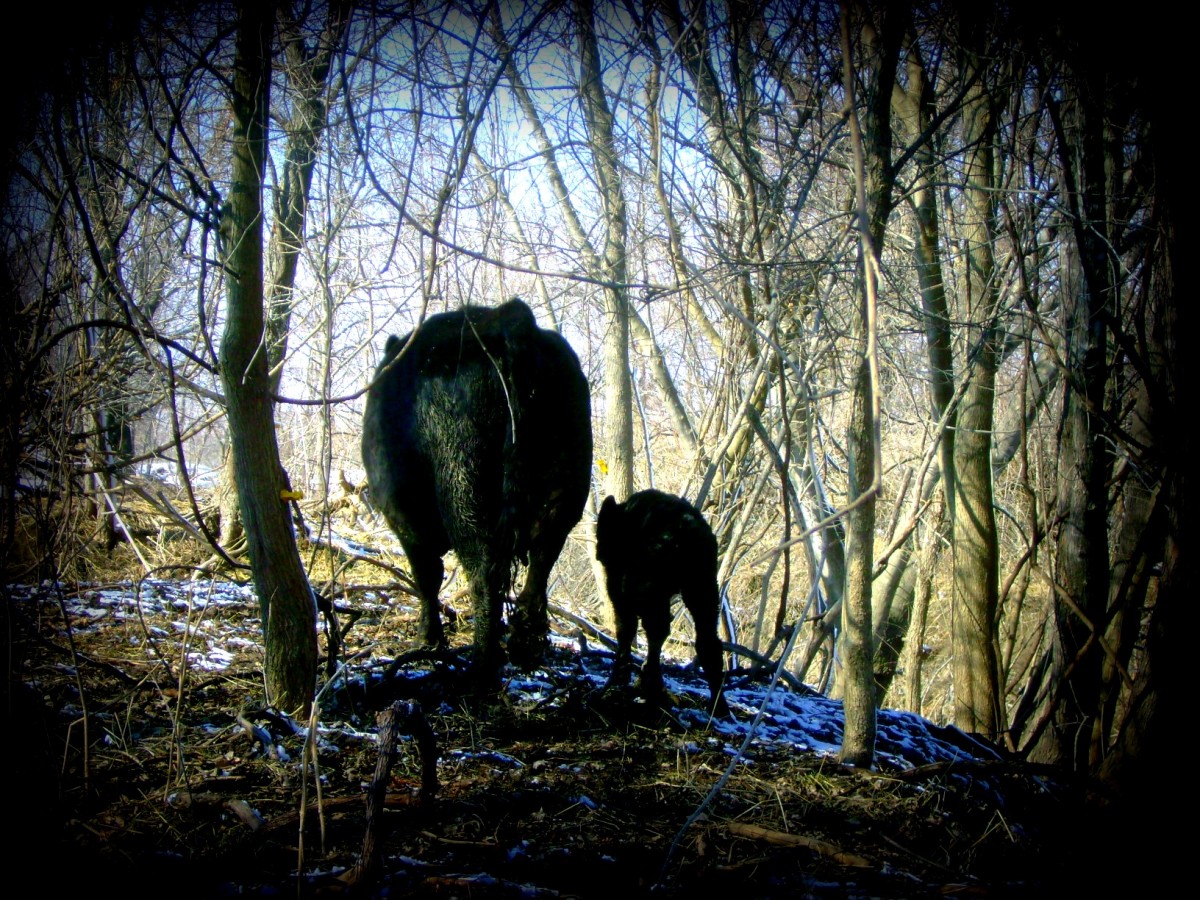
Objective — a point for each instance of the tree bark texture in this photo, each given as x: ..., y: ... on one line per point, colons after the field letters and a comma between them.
x: 978, y: 704
x: 284, y: 596
x: 874, y: 179
x: 1082, y: 571
x: 618, y: 386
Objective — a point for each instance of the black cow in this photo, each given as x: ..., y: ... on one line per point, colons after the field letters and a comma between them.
x: 654, y: 546
x: 477, y: 437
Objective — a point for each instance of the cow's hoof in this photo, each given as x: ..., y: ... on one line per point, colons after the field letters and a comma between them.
x: 656, y: 697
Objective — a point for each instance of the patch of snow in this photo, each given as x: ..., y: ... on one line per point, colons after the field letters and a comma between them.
x: 779, y: 718
x: 486, y: 755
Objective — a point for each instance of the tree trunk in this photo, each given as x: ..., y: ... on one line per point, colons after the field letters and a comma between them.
x: 618, y: 386
x: 1143, y: 763
x: 977, y: 694
x: 874, y: 180
x: 308, y: 74
x: 284, y: 596
x: 1082, y: 570
x: 915, y: 108
x: 857, y: 648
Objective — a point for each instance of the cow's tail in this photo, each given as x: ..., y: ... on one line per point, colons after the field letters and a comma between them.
x: 517, y: 367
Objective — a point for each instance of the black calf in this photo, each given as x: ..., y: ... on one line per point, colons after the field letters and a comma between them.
x: 654, y: 546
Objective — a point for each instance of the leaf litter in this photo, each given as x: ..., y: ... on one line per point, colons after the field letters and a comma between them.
x: 143, y: 760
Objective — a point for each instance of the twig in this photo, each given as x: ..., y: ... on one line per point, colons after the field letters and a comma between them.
x: 391, y: 722
x: 83, y: 701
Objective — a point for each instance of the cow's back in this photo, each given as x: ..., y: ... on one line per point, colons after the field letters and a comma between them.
x: 482, y: 421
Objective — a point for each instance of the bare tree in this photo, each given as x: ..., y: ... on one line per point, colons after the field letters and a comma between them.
x: 874, y: 179
x: 285, y: 598
x: 618, y: 396
x: 977, y: 693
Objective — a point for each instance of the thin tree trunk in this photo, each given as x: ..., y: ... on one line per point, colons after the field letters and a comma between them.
x: 873, y: 180
x: 308, y: 74
x: 618, y: 386
x: 1082, y: 572
x: 284, y: 596
x: 914, y: 652
x: 1143, y: 762
x: 977, y: 695
x: 915, y: 108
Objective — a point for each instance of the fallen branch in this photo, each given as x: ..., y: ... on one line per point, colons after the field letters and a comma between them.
x: 764, y: 665
x: 784, y: 839
x: 485, y: 886
x: 259, y: 735
x: 246, y: 813
x: 288, y: 821
x: 589, y: 627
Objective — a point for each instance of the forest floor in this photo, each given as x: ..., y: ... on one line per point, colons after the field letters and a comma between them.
x: 140, y: 760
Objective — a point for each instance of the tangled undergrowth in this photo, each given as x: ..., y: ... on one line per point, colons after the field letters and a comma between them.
x: 134, y: 771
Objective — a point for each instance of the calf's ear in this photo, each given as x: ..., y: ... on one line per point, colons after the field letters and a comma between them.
x: 608, y: 514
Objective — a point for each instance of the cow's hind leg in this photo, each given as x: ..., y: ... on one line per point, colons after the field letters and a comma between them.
x: 427, y: 573
x: 489, y: 586
x: 530, y: 621
x: 711, y: 658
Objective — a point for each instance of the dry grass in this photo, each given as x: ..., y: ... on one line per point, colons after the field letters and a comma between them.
x: 136, y: 769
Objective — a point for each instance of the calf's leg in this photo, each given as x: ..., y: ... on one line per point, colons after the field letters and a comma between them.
x: 656, y: 620
x: 703, y: 602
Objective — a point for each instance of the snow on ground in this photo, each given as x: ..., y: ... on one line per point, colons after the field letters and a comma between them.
x: 802, y: 722
x: 173, y: 617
